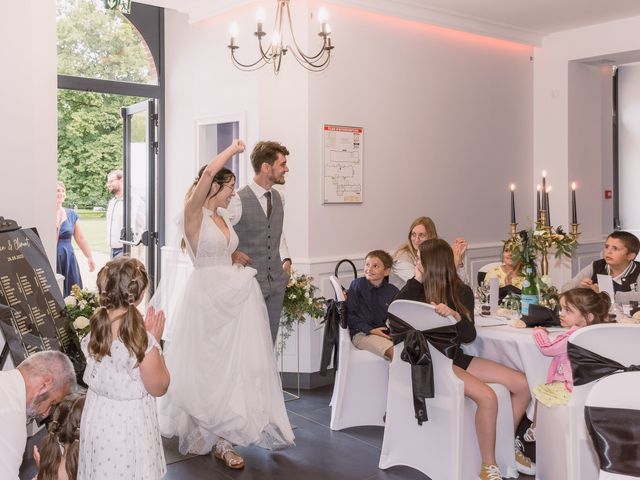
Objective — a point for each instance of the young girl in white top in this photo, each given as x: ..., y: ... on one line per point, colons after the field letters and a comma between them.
x: 119, y: 434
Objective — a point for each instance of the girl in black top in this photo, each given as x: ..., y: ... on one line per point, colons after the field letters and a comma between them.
x: 436, y: 282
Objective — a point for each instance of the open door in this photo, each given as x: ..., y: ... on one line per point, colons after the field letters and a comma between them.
x: 140, y: 151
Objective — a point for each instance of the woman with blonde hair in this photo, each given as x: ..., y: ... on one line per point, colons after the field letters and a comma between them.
x: 407, y: 256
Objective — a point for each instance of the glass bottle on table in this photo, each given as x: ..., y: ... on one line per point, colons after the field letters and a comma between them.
x: 529, y: 288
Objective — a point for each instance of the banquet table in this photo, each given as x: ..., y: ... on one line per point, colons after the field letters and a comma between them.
x: 513, y: 347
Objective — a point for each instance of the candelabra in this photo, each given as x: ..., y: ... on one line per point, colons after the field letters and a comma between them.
x: 544, y: 236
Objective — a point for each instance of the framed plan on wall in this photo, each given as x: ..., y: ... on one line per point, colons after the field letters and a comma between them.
x: 342, y: 164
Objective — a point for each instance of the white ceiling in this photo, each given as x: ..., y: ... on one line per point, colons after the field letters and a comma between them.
x: 526, y: 21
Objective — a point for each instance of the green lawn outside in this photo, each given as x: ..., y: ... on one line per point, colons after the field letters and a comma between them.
x: 95, y: 231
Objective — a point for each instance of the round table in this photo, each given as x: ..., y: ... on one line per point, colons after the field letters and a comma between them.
x: 513, y: 347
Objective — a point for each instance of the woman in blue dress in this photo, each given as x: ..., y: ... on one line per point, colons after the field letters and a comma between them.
x: 67, y: 227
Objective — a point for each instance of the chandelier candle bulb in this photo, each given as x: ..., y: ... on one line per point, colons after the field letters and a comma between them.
x: 260, y: 16
x: 513, y: 204
x: 323, y: 15
x: 574, y: 212
x: 233, y: 32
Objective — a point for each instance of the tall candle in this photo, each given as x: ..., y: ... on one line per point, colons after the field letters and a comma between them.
x: 546, y: 201
x: 513, y: 204
x: 538, y: 203
x: 574, y: 212
x: 544, y: 189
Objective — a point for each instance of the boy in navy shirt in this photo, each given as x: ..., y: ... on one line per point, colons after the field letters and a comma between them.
x: 367, y: 304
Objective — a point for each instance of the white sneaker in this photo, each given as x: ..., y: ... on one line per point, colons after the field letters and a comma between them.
x: 524, y: 464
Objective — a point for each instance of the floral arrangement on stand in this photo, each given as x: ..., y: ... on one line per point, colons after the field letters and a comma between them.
x: 532, y: 246
x: 299, y: 301
x: 80, y: 306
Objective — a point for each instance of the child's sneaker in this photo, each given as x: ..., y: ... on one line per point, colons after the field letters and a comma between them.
x: 524, y: 464
x: 490, y: 472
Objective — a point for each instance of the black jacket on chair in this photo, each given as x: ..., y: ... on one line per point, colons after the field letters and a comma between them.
x: 335, y: 318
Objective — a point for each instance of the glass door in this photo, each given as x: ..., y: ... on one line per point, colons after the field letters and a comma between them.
x: 140, y: 150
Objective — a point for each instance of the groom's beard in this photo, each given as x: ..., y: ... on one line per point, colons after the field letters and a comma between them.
x: 32, y: 410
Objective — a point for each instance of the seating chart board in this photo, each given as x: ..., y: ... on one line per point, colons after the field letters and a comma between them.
x: 31, y: 304
x: 342, y: 166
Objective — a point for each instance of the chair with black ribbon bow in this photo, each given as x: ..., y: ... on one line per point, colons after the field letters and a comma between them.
x: 612, y: 413
x: 430, y: 424
x: 564, y: 448
x: 360, y: 387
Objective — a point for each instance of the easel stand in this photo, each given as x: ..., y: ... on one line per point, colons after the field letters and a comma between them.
x: 290, y: 396
x: 6, y: 225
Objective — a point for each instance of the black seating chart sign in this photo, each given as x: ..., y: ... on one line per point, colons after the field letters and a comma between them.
x: 31, y: 304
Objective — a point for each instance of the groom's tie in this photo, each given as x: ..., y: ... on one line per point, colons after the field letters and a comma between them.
x: 268, y: 196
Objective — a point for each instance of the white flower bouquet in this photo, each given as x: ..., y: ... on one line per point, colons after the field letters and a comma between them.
x: 299, y: 300
x: 80, y: 306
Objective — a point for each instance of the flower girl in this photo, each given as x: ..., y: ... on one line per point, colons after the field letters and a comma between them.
x: 579, y: 308
x: 119, y: 434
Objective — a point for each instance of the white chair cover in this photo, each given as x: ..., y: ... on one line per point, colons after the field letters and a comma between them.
x: 360, y: 387
x: 564, y: 450
x: 621, y: 390
x: 445, y: 447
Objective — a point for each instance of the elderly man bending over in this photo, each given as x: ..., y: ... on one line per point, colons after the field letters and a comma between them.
x: 28, y: 393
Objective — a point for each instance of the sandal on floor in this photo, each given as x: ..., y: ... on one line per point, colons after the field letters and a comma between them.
x: 224, y: 451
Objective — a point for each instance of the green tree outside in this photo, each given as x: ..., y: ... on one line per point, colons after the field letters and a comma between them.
x: 95, y: 43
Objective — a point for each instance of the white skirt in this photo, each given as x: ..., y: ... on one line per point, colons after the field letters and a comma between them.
x: 224, y: 376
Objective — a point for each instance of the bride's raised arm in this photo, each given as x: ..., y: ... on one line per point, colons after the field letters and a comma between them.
x: 195, y: 201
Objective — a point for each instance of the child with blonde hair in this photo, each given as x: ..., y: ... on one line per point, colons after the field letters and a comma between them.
x: 119, y: 434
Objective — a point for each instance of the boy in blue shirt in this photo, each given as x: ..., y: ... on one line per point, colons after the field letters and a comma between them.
x: 367, y: 304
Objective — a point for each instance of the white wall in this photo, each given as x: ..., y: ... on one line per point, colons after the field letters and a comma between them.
x: 552, y: 104
x: 447, y: 120
x: 629, y: 153
x: 28, y: 117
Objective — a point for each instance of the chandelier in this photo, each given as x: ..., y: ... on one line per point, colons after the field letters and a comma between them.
x: 278, y: 49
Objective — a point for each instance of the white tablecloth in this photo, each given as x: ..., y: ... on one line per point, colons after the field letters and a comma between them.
x: 513, y: 347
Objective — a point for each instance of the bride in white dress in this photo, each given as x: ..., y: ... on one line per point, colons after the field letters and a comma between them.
x: 225, y: 386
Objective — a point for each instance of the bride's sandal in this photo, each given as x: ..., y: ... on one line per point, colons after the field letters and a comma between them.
x: 224, y: 451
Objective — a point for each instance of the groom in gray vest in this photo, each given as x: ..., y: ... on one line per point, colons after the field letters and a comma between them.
x: 257, y: 214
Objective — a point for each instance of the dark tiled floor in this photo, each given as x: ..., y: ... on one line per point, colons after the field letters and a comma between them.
x: 319, y: 454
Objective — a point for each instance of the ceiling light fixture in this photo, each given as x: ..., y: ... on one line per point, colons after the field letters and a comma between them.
x: 278, y: 49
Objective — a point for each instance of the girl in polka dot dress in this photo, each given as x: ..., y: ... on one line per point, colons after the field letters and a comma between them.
x: 119, y: 434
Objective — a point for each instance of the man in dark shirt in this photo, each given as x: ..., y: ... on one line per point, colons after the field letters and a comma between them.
x: 367, y: 304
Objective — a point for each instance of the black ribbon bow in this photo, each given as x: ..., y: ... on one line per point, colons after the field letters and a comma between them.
x: 616, y: 435
x: 416, y: 352
x: 615, y: 431
x: 588, y: 366
x: 335, y: 318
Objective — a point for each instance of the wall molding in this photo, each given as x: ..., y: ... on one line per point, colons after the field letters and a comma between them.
x: 407, y: 9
